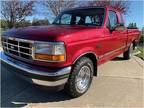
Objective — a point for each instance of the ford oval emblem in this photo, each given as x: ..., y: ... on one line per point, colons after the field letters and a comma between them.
x: 12, y: 47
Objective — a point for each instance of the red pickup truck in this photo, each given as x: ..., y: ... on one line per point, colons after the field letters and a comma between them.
x: 66, y: 54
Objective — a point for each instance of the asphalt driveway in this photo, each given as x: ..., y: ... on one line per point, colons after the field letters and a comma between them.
x: 119, y: 84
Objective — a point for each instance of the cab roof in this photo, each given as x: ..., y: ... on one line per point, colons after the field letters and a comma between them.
x: 91, y: 7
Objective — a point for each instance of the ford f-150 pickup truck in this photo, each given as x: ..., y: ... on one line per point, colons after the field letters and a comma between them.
x: 66, y: 53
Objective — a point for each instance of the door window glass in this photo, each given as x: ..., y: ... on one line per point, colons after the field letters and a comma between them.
x: 121, y: 19
x: 77, y: 19
x: 66, y: 19
x: 113, y: 19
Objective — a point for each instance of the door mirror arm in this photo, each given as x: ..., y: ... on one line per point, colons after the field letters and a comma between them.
x: 114, y: 27
x: 121, y: 24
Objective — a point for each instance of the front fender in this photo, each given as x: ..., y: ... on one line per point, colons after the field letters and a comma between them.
x: 81, y: 52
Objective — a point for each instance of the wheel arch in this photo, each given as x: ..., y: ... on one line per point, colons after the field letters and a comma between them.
x: 92, y: 56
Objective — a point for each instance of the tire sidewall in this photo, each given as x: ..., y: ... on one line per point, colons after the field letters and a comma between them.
x: 72, y: 90
x: 131, y: 51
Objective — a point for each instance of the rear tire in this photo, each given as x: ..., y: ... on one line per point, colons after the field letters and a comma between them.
x: 80, y: 78
x: 129, y: 53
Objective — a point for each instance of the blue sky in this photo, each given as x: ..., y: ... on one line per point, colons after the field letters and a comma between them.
x: 135, y: 14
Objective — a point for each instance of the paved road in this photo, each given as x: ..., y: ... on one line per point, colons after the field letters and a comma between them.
x: 119, y: 84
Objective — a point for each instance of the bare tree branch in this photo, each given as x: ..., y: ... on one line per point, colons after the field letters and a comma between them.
x: 120, y: 5
x: 56, y: 6
x: 16, y: 10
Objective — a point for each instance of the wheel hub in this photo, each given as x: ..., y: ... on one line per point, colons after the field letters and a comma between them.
x: 83, y: 79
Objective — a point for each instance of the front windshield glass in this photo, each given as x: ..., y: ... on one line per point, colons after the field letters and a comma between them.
x: 86, y: 17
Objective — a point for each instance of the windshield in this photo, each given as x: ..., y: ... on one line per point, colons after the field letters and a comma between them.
x: 86, y: 17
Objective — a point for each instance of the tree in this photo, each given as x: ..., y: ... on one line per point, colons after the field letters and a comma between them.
x: 143, y: 30
x: 56, y: 6
x: 15, y: 11
x: 120, y: 5
x: 132, y: 26
x: 3, y: 24
x: 135, y: 26
x: 37, y: 22
x: 23, y: 23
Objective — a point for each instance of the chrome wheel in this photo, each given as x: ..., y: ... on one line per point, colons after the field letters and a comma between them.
x: 83, y: 79
x: 80, y: 78
x: 131, y: 50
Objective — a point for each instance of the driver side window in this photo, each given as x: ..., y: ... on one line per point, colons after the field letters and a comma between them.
x: 113, y: 20
x: 66, y: 19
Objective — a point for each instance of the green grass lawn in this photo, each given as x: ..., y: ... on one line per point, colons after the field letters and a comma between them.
x: 141, y: 48
x: 141, y: 54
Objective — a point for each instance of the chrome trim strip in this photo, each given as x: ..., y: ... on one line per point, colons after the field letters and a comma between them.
x: 84, y: 54
x: 109, y: 53
x: 52, y: 43
x: 16, y: 45
x: 43, y: 82
x: 18, y: 57
x: 33, y: 51
x: 30, y: 70
x: 17, y: 51
x: 18, y: 39
x: 49, y: 83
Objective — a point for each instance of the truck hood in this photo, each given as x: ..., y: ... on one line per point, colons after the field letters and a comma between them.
x: 46, y: 33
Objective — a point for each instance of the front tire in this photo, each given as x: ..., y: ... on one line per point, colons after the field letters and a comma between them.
x: 80, y: 78
x: 129, y: 53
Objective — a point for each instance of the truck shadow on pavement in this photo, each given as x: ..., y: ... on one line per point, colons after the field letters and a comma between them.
x: 118, y: 59
x: 16, y: 92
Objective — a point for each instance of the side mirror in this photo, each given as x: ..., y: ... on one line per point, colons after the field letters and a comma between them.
x: 113, y: 28
x: 110, y: 28
x: 116, y: 26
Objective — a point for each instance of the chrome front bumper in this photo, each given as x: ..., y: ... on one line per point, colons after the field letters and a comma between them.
x: 37, y: 76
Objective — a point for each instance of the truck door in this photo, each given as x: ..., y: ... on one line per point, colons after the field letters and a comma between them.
x: 123, y: 31
x: 113, y: 37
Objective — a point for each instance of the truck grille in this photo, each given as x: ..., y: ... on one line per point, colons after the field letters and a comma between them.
x: 18, y: 47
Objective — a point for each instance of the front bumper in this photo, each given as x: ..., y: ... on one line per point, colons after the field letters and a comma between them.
x: 35, y: 74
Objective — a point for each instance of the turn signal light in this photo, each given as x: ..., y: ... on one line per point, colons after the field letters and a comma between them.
x: 50, y: 57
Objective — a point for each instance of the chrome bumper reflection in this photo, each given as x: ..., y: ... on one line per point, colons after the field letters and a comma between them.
x: 27, y: 68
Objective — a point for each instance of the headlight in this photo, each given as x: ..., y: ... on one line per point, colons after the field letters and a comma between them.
x: 50, y: 51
